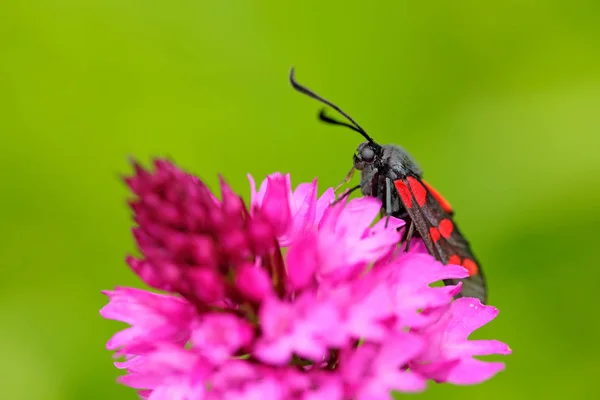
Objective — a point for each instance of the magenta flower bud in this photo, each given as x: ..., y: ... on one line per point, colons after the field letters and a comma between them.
x: 214, y: 217
x: 253, y: 282
x: 146, y: 272
x: 195, y: 220
x: 170, y: 273
x: 181, y: 224
x: 203, y: 250
x: 232, y: 203
x: 234, y: 244
x: 207, y: 284
x: 261, y: 234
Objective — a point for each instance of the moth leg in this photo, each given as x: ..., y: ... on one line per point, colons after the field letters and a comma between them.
x: 346, y: 194
x: 345, y: 180
x: 388, y: 200
x: 352, y: 189
x: 409, y: 235
x: 404, y: 215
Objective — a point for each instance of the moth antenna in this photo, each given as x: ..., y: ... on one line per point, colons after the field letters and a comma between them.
x: 315, y: 96
x: 327, y: 119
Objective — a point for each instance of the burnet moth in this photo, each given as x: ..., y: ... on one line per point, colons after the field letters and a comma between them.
x: 390, y: 174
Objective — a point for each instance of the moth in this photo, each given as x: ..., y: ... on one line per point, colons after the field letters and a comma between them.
x: 389, y: 173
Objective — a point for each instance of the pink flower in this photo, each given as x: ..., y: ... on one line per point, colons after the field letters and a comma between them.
x: 373, y: 370
x: 220, y: 335
x: 292, y: 213
x: 154, y: 318
x: 272, y: 302
x: 348, y: 244
x: 306, y: 327
x: 449, y: 357
x: 169, y: 372
x: 411, y: 276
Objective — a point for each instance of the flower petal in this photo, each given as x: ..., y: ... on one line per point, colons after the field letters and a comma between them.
x: 472, y: 371
x: 302, y: 261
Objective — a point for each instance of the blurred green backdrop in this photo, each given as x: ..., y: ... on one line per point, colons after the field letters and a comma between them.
x: 497, y: 100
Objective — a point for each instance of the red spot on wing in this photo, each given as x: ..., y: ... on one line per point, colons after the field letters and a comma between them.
x: 418, y: 190
x: 446, y: 227
x: 436, y: 195
x: 471, y: 266
x: 454, y: 259
x: 404, y: 192
x: 434, y: 233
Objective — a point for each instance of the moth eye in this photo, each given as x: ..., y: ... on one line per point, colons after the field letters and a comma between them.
x: 367, y: 155
x: 358, y: 163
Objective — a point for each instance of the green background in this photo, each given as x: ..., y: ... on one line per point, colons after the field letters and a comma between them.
x: 497, y: 100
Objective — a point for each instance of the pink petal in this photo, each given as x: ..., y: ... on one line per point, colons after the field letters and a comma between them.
x: 257, y: 197
x: 468, y: 315
x: 218, y: 336
x: 357, y: 216
x: 330, y: 390
x: 472, y: 371
x: 422, y: 269
x: 302, y: 261
x: 393, y: 223
x: 368, y: 311
x: 480, y: 348
x: 268, y: 388
x: 254, y: 200
x: 380, y: 386
x: 399, y: 349
x: 323, y: 203
x: 275, y: 205
x: 417, y: 246
x: 305, y: 193
x: 233, y: 373
x: 152, y: 316
x: 303, y: 208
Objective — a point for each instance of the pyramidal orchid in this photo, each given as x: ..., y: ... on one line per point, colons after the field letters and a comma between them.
x: 292, y: 296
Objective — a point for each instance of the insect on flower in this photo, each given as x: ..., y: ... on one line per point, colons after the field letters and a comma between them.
x: 390, y: 174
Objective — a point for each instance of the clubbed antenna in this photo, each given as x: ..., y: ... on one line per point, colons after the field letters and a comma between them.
x: 355, y: 126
